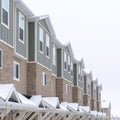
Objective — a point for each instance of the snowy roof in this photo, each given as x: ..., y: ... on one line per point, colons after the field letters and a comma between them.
x: 86, y: 71
x: 50, y: 102
x: 86, y: 109
x: 100, y: 114
x: 95, y: 113
x: 73, y: 106
x: 37, y: 99
x: 63, y: 107
x: 7, y: 92
x: 25, y: 101
x: 105, y: 104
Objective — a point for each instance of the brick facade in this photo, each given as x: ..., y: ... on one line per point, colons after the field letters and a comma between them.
x: 61, y: 90
x: 86, y: 100
x: 77, y: 95
x: 6, y: 73
x: 35, y: 85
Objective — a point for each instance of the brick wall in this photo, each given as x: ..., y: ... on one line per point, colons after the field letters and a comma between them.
x: 61, y: 90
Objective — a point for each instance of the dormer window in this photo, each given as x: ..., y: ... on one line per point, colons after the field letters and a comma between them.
x: 5, y: 13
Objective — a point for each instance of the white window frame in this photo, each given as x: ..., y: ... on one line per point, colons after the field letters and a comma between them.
x: 54, y: 54
x: 1, y: 57
x: 71, y: 69
x: 44, y: 79
x: 65, y: 61
x: 69, y: 61
x: 7, y: 10
x: 21, y: 26
x: 47, y: 45
x: 41, y: 39
x: 14, y: 71
x: 66, y: 89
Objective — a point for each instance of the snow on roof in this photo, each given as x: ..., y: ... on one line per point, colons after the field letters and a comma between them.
x: 25, y: 101
x: 86, y: 109
x: 104, y: 114
x: 73, y: 106
x: 64, y: 104
x: 50, y: 102
x: 37, y: 99
x: 95, y: 113
x: 8, y: 91
x: 86, y: 71
x: 100, y: 114
x: 63, y: 107
x: 105, y: 104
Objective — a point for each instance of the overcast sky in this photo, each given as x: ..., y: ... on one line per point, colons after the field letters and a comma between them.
x: 93, y: 28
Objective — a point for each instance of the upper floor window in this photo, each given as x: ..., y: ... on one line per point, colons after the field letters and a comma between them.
x: 69, y: 63
x: 47, y: 45
x: 21, y: 27
x: 5, y: 12
x: 54, y: 55
x: 65, y: 60
x: 41, y: 39
x: 16, y: 71
x: 71, y: 68
x: 44, y: 79
x: 79, y: 71
x: 1, y: 58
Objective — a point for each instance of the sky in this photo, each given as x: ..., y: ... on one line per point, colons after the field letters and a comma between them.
x: 93, y: 29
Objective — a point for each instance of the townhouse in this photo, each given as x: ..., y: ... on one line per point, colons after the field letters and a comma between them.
x: 37, y: 63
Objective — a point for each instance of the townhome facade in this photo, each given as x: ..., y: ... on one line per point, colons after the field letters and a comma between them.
x: 94, y: 85
x: 87, y: 75
x: 37, y: 63
x: 78, y: 87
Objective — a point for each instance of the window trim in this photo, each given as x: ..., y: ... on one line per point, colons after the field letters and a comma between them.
x: 65, y: 61
x: 44, y: 79
x: 1, y: 58
x: 54, y: 54
x: 22, y: 41
x: 40, y: 29
x: 14, y: 77
x: 66, y: 89
x: 7, y: 26
x: 48, y: 46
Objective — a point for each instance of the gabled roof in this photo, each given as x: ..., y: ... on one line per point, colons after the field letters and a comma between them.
x: 69, y: 49
x: 8, y: 93
x: 50, y: 102
x: 21, y: 5
x: 45, y: 21
x: 82, y: 63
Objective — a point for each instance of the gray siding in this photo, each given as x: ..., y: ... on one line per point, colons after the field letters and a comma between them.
x: 42, y: 58
x: 66, y: 73
x: 5, y: 33
x: 20, y: 47
x: 59, y: 63
x: 31, y: 41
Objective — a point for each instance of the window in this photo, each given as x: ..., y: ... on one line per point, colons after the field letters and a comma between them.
x: 65, y: 60
x: 47, y: 44
x: 16, y: 70
x: 44, y: 79
x: 68, y: 63
x: 21, y: 27
x: 71, y: 69
x: 41, y: 39
x: 79, y: 70
x: 5, y: 12
x: 66, y: 89
x: 54, y: 55
x: 1, y: 58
